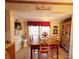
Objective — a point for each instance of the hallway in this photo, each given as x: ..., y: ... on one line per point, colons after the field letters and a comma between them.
x: 24, y: 53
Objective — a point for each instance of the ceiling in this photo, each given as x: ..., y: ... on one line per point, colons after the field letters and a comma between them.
x: 59, y: 10
x: 39, y: 16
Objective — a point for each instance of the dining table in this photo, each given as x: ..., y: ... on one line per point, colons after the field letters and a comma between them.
x: 49, y: 48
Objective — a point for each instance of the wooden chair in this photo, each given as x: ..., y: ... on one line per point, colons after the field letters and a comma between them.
x: 44, y: 51
x: 34, y: 47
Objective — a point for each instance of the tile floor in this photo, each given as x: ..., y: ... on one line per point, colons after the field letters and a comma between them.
x: 24, y: 53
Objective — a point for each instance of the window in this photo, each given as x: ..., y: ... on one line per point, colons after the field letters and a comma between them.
x: 35, y: 32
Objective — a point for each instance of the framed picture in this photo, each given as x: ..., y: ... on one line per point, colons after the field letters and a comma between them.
x: 18, y: 25
x: 55, y: 31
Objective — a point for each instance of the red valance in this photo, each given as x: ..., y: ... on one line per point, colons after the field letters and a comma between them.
x: 37, y: 23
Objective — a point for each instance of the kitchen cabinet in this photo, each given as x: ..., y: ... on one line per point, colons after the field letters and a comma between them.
x: 10, y: 49
x: 65, y: 35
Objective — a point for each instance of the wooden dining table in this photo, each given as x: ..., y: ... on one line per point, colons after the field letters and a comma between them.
x: 41, y: 48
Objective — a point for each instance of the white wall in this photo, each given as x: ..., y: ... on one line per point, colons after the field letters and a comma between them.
x: 18, y: 43
x: 18, y: 37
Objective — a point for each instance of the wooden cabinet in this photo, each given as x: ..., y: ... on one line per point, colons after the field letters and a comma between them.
x: 65, y: 36
x: 10, y: 49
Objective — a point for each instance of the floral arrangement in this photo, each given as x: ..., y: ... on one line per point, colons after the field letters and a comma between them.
x: 45, y: 34
x: 44, y: 38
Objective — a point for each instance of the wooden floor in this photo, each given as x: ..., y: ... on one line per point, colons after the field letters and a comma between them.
x: 24, y: 53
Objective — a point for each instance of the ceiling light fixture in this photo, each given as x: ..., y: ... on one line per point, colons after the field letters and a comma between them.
x: 40, y: 6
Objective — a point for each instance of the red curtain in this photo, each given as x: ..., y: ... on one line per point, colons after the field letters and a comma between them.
x: 37, y: 23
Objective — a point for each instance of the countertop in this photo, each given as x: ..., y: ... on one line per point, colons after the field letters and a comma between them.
x: 9, y: 44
